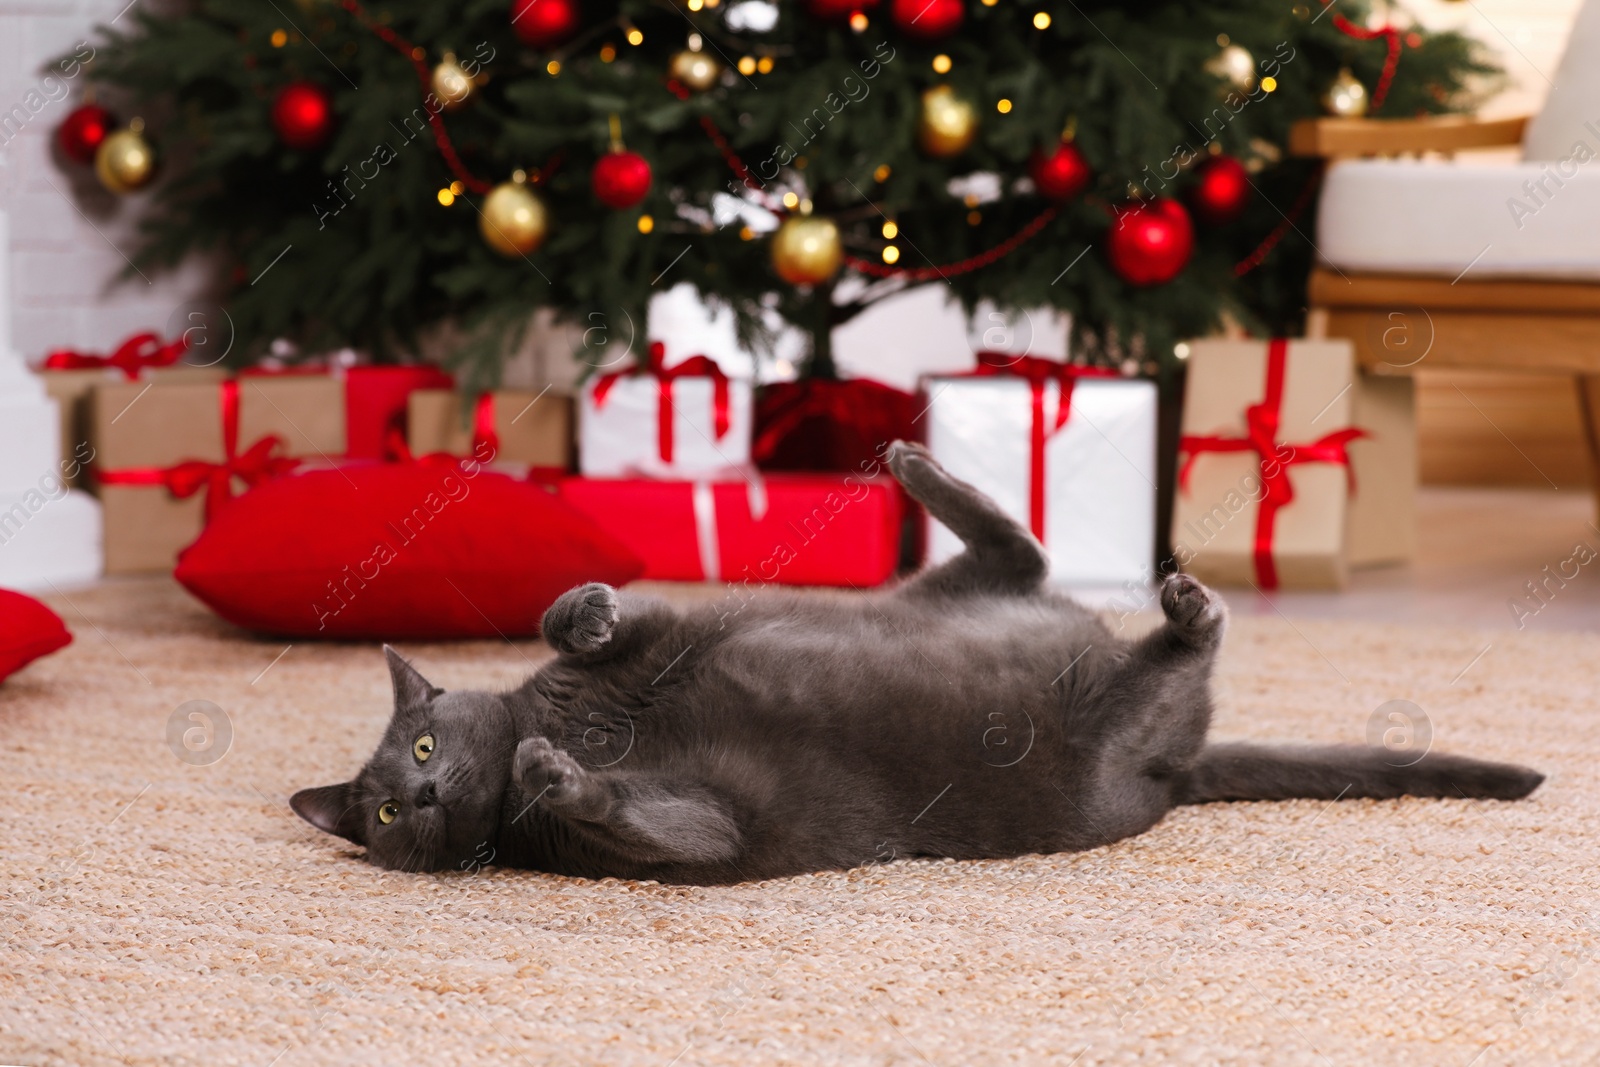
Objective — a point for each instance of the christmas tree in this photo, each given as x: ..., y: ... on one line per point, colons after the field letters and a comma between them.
x: 372, y: 169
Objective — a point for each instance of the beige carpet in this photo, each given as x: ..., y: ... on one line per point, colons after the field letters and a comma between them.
x: 160, y: 913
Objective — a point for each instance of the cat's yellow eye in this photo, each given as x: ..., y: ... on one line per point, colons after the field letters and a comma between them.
x: 423, y: 748
x: 388, y: 812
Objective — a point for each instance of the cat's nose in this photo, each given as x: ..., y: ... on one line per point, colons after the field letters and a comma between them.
x: 427, y: 795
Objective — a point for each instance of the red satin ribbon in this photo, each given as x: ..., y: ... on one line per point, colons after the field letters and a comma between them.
x: 183, y: 480
x: 1038, y: 372
x: 1262, y: 422
x: 397, y: 448
x: 133, y: 355
x: 693, y: 367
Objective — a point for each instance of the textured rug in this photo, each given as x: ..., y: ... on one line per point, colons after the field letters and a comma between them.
x: 172, y: 910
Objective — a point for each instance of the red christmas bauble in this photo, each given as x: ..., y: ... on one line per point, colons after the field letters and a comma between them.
x: 620, y: 179
x: 303, y: 115
x: 81, y: 132
x: 927, y: 19
x: 1150, y: 241
x: 1061, y: 175
x: 545, y: 23
x: 1222, y: 191
x: 838, y: 10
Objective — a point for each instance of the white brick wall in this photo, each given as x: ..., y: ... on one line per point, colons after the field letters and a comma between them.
x: 66, y: 230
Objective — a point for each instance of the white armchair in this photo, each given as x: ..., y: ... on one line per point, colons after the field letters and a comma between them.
x: 1425, y: 258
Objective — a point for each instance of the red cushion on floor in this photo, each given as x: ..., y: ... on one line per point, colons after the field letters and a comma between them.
x: 409, y: 550
x: 28, y: 630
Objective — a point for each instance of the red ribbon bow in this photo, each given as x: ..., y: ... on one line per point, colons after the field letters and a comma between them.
x: 693, y: 367
x: 1262, y: 422
x: 133, y: 355
x: 183, y: 480
x: 1038, y: 372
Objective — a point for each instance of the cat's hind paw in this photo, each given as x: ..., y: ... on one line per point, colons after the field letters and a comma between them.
x: 582, y: 619
x: 1192, y: 609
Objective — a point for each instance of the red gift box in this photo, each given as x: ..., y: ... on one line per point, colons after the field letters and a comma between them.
x: 822, y: 425
x: 793, y: 529
x: 375, y: 401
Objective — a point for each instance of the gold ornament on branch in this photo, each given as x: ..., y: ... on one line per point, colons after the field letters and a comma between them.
x: 1346, y: 97
x: 806, y: 250
x: 947, y: 124
x: 452, y: 85
x: 514, y: 221
x: 125, y: 161
x: 695, y: 69
x: 1236, y: 66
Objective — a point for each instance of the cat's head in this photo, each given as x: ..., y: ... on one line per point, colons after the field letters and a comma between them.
x: 429, y: 798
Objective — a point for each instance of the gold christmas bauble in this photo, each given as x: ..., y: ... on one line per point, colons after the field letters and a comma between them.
x: 947, y: 124
x: 514, y: 221
x: 1236, y: 66
x: 452, y: 85
x: 806, y: 250
x: 695, y: 69
x: 1346, y: 97
x: 125, y: 161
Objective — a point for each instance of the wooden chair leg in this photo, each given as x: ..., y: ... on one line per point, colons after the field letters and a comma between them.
x: 1589, y: 405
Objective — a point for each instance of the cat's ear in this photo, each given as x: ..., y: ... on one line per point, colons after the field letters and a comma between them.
x: 333, y: 809
x: 410, y: 687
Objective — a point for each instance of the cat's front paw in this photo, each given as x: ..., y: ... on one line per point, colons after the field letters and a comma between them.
x: 582, y: 619
x: 1191, y: 607
x: 544, y: 771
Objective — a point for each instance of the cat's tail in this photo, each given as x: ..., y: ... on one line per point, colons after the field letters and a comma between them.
x: 1335, y: 772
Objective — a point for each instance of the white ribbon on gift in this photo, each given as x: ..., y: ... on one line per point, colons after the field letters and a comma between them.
x: 705, y: 521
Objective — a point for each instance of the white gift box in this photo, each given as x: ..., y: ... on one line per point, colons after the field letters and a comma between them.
x: 1090, y: 498
x: 641, y: 425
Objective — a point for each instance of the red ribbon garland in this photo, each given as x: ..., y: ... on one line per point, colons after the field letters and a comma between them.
x: 1391, y: 61
x: 133, y: 355
x: 1037, y: 371
x: 1262, y: 422
x: 693, y: 367
x: 188, y: 477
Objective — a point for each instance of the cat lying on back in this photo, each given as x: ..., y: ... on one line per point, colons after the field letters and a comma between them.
x: 969, y: 713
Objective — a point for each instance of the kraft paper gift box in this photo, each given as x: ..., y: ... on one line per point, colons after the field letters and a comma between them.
x: 687, y: 421
x: 529, y: 428
x: 171, y: 439
x: 70, y: 378
x: 1070, y: 454
x: 1294, y: 466
x: 787, y: 529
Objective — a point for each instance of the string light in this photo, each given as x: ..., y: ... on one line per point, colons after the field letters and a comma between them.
x: 765, y: 66
x: 635, y: 38
x: 646, y: 223
x: 891, y: 254
x: 607, y: 53
x: 279, y: 38
x: 791, y: 200
x: 1003, y: 106
x: 882, y: 173
x: 747, y: 65
x: 891, y: 230
x: 974, y: 217
x: 858, y: 21
x: 553, y: 67
x: 695, y: 5
x: 1269, y: 84
x: 941, y: 64
x: 746, y: 233
x: 446, y: 197
x: 1041, y: 21
x: 457, y: 188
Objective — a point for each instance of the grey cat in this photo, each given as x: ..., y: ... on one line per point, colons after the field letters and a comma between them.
x: 969, y: 713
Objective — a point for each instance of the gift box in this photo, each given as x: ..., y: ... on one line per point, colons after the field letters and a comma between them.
x: 823, y: 425
x: 685, y: 421
x: 169, y: 454
x: 377, y: 402
x: 532, y: 429
x: 70, y: 378
x: 1069, y: 452
x: 1280, y: 441
x: 789, y: 529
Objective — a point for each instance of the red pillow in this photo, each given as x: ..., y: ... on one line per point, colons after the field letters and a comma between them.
x: 28, y: 630
x: 401, y: 550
